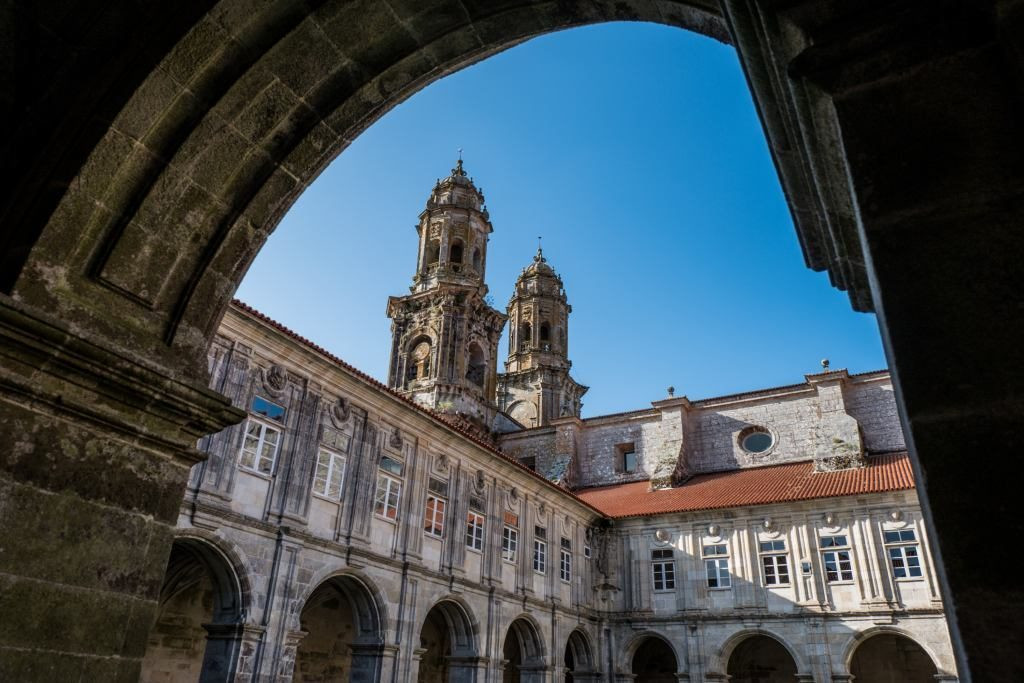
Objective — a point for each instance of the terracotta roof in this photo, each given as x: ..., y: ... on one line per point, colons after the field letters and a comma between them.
x: 437, y: 417
x: 752, y: 486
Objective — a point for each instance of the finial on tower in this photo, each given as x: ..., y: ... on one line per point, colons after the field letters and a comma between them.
x: 458, y: 166
x: 539, y: 258
x: 824, y: 364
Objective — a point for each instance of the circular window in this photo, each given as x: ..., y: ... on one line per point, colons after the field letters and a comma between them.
x: 756, y: 441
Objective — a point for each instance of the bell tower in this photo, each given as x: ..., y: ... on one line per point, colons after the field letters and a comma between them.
x: 444, y: 334
x: 536, y: 387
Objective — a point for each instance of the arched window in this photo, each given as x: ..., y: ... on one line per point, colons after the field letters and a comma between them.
x: 477, y: 365
x: 418, y: 365
x: 545, y: 332
x: 433, y: 252
x: 455, y: 253
x: 525, y: 335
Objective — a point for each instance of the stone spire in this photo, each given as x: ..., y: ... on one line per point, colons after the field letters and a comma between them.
x: 444, y: 334
x: 536, y: 387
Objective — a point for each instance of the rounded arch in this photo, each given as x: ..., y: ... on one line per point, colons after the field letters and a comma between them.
x: 343, y: 620
x: 863, y: 637
x: 229, y: 557
x: 578, y: 656
x: 736, y: 639
x: 461, y: 622
x: 419, y: 356
x: 203, y: 603
x: 652, y: 658
x: 371, y: 606
x: 476, y: 364
x: 523, y: 651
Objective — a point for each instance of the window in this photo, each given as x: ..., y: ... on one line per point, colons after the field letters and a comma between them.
x: 388, y: 488
x: 586, y: 551
x: 904, y: 555
x: 540, y: 550
x: 271, y: 411
x: 755, y: 440
x: 716, y: 564
x: 510, y: 537
x: 836, y: 555
x: 437, y: 502
x: 474, y: 531
x: 330, y: 474
x: 530, y: 462
x: 663, y: 564
x: 565, y: 560
x: 545, y: 332
x: 774, y: 562
x: 627, y: 457
x: 259, y: 449
x: 509, y: 543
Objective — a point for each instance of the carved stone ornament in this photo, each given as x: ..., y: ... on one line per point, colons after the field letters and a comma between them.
x: 895, y: 515
x: 714, y: 530
x: 441, y: 462
x: 275, y: 379
x: 396, y: 438
x: 662, y: 535
x: 768, y: 524
x: 830, y: 519
x: 512, y: 497
x: 341, y: 411
x: 480, y: 481
x: 541, y: 509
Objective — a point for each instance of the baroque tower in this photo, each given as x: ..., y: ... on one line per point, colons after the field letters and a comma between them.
x: 444, y: 334
x: 536, y: 387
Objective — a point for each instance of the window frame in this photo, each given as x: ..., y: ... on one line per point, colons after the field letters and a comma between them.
x: 837, y: 549
x: 332, y: 457
x: 265, y: 426
x: 662, y: 561
x: 509, y: 543
x: 390, y: 481
x: 900, y: 545
x: 775, y: 556
x: 540, y: 556
x: 565, y: 561
x: 718, y: 562
x: 475, y: 523
x: 431, y: 525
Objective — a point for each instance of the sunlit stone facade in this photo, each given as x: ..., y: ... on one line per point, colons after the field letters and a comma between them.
x: 352, y: 530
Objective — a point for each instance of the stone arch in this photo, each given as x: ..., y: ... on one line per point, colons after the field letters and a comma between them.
x: 904, y: 637
x: 524, y: 657
x: 759, y: 656
x: 652, y: 658
x: 342, y: 620
x: 449, y: 650
x: 578, y: 658
x: 725, y: 652
x: 476, y: 364
x: 199, y: 626
x: 419, y: 356
x: 230, y: 554
x: 524, y: 412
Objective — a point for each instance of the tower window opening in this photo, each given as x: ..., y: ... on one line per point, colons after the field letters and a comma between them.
x: 477, y: 365
x: 455, y: 253
x: 627, y: 458
x: 433, y: 252
x: 476, y: 259
x: 545, y: 332
x: 419, y: 361
x: 525, y: 335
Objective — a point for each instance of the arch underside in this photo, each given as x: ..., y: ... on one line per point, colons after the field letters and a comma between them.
x: 188, y: 180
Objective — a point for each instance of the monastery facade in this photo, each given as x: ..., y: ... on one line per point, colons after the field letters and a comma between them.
x: 461, y: 524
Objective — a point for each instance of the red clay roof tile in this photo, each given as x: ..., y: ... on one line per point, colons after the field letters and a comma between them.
x: 752, y: 486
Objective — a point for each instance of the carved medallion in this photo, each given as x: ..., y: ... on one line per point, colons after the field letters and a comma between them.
x: 341, y: 411
x: 275, y: 379
x: 396, y: 438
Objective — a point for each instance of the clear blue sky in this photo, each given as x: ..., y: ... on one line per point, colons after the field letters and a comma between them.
x: 635, y: 150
